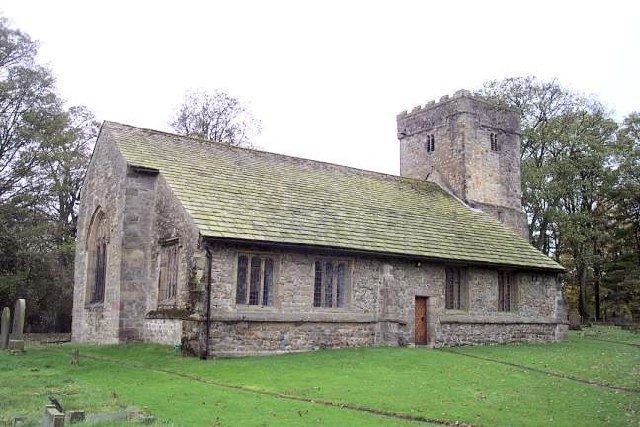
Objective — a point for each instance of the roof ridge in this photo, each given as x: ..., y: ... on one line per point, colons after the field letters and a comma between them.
x: 285, y: 156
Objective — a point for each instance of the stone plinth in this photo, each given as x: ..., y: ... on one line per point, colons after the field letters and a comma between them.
x: 52, y: 417
x: 16, y: 346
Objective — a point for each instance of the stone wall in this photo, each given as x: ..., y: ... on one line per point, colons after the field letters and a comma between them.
x: 452, y: 334
x: 380, y: 310
x: 162, y: 331
x: 463, y: 162
x: 142, y: 212
x: 135, y: 251
x: 104, y: 189
x: 171, y: 221
x: 253, y: 338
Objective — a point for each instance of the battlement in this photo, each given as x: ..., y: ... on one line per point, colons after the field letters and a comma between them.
x: 425, y: 117
x: 432, y: 104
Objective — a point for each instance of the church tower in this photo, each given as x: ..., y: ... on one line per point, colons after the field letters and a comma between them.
x: 471, y: 148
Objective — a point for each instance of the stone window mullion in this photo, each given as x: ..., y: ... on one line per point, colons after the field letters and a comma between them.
x: 334, y: 289
x: 323, y: 287
x: 261, y: 281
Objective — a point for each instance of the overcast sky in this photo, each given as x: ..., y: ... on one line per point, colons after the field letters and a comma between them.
x: 326, y: 78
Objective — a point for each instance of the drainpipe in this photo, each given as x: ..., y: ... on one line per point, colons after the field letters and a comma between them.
x: 207, y: 322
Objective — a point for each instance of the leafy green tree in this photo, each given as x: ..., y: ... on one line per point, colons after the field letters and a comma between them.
x: 64, y: 159
x: 622, y: 268
x: 44, y: 150
x: 543, y: 106
x: 569, y: 154
x: 27, y: 103
x: 581, y: 176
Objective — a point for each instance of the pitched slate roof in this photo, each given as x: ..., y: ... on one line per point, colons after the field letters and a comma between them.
x: 248, y: 194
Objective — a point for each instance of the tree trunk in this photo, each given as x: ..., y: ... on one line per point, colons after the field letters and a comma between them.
x: 582, y: 301
x: 637, y: 244
x: 596, y: 278
x: 596, y: 292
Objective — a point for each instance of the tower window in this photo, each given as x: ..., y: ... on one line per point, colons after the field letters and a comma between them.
x: 431, y: 143
x: 494, y: 142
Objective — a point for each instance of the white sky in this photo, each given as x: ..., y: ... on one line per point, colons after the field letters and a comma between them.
x: 326, y: 78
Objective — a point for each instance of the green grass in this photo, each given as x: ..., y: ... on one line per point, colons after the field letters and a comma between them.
x: 416, y: 382
x: 613, y: 363
x: 610, y: 333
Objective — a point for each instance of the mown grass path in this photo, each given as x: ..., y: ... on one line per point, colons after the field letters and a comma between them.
x: 519, y: 385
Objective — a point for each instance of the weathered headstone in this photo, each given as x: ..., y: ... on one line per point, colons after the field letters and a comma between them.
x: 52, y: 417
x: 16, y: 346
x: 5, y: 320
x: 16, y: 341
x: 72, y: 417
x: 575, y: 320
x: 17, y: 331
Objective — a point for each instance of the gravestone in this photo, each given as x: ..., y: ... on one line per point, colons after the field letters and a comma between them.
x: 575, y: 320
x: 16, y: 346
x: 17, y: 331
x: 52, y: 417
x: 16, y: 342
x: 4, y: 327
x: 73, y: 417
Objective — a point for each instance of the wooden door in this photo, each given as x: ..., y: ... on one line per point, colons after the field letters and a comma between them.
x: 421, y: 320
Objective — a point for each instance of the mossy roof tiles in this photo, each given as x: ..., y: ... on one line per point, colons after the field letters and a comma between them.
x: 247, y: 194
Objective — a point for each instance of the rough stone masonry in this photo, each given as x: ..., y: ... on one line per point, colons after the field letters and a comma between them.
x: 229, y: 251
x: 463, y: 161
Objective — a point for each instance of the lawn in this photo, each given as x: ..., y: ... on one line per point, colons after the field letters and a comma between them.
x: 591, y: 379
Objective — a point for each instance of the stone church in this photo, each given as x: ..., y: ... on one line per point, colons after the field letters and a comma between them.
x: 233, y: 251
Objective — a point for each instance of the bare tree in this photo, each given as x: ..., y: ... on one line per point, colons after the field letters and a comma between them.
x: 215, y: 116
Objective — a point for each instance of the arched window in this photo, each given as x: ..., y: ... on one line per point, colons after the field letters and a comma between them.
x: 431, y: 143
x: 97, y: 257
x: 494, y: 142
